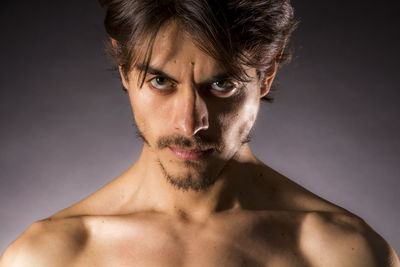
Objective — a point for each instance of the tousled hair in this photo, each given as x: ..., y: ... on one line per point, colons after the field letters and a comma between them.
x: 236, y: 33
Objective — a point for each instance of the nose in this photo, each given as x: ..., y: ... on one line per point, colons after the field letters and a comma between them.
x: 190, y: 112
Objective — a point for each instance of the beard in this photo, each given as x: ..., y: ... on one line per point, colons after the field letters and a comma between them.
x: 188, y: 182
x: 195, y: 177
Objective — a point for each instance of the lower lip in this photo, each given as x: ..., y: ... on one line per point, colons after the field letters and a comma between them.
x: 190, y: 155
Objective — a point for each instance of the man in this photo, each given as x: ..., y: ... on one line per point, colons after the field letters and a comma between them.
x: 195, y: 72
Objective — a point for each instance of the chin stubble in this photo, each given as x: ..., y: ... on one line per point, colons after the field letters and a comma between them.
x: 187, y: 183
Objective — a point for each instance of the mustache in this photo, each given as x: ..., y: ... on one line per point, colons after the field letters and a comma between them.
x: 195, y: 142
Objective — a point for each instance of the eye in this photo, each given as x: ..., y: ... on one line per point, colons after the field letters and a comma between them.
x: 161, y: 83
x: 222, y: 86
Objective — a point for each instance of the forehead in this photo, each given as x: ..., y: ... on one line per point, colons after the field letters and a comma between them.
x: 175, y: 50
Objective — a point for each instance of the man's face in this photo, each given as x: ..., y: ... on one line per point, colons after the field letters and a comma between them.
x: 193, y: 116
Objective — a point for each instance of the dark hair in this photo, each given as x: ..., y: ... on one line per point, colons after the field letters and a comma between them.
x: 234, y: 32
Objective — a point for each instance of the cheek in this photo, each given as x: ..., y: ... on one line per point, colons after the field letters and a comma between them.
x: 248, y: 112
x: 237, y: 125
x: 150, y: 113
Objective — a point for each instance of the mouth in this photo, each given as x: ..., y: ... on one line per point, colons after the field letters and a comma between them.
x: 191, y: 154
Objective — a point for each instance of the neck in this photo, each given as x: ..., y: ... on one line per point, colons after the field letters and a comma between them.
x: 154, y: 192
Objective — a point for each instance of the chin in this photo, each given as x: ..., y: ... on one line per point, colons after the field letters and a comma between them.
x: 191, y: 175
x: 190, y: 181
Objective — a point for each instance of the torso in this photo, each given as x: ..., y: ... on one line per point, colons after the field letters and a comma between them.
x: 252, y: 238
x: 274, y: 230
x: 277, y: 224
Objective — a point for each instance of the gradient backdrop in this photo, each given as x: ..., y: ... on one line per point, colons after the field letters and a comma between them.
x: 66, y: 125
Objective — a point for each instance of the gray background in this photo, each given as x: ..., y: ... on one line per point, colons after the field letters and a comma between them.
x: 66, y: 126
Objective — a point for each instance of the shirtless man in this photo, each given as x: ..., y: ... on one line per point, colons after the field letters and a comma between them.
x: 195, y: 72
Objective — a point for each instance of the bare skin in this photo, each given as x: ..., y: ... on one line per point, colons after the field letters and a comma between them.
x: 249, y: 215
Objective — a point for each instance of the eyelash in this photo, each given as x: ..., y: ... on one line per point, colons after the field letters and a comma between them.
x: 234, y: 87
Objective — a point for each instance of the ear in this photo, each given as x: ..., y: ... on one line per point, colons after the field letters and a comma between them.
x: 114, y: 42
x: 124, y: 80
x: 121, y: 72
x: 267, y: 79
x: 269, y: 76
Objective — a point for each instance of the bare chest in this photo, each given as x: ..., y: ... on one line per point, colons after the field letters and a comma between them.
x: 232, y: 243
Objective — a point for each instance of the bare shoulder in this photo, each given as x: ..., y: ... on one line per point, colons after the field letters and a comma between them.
x: 108, y: 200
x: 343, y: 239
x: 47, y: 243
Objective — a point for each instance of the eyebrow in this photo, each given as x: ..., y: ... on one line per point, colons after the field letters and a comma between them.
x: 153, y: 71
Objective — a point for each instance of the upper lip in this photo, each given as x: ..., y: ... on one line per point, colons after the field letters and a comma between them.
x: 191, y: 149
